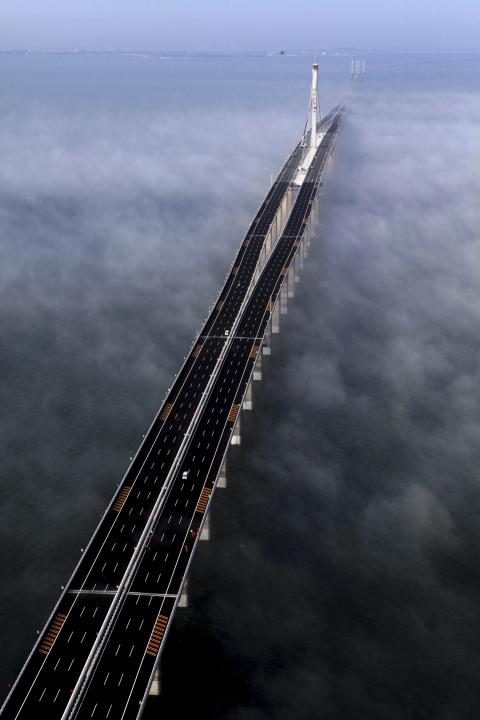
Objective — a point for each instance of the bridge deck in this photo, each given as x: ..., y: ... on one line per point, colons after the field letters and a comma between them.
x: 148, y: 534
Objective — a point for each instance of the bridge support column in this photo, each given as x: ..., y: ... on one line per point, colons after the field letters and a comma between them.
x: 222, y: 478
x: 276, y: 226
x: 284, y: 210
x: 236, y: 437
x: 205, y: 534
x: 283, y: 214
x: 276, y: 318
x: 316, y: 216
x: 183, y: 602
x: 297, y: 267
x: 257, y: 368
x: 313, y: 213
x: 306, y: 242
x: 273, y: 237
x: 155, y: 686
x: 274, y: 229
x: 317, y: 208
x: 291, y: 281
x: 248, y: 399
x: 311, y: 227
x: 300, y: 252
x: 267, y: 342
x: 293, y: 192
x: 284, y: 299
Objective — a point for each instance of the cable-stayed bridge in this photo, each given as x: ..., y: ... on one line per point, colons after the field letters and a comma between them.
x: 99, y: 651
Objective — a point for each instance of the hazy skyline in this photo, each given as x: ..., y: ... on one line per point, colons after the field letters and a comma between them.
x: 227, y: 25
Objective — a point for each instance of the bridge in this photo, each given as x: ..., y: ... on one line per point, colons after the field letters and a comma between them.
x: 99, y: 651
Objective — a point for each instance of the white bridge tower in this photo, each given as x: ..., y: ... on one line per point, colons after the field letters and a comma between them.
x: 314, y: 117
x: 313, y: 107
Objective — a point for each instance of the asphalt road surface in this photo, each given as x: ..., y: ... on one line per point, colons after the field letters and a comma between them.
x: 198, y: 417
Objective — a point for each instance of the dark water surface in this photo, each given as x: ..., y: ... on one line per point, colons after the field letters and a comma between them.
x: 342, y: 576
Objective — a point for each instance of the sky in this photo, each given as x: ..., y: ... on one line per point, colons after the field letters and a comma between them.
x: 216, y: 25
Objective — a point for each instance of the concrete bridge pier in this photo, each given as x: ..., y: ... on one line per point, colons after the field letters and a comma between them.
x: 292, y: 195
x: 300, y: 252
x: 309, y: 235
x: 257, y: 368
x: 316, y: 209
x: 269, y: 242
x: 294, y: 190
x: 276, y: 318
x: 205, y: 532
x: 155, y: 687
x: 222, y: 478
x: 306, y: 243
x: 306, y: 240
x: 236, y: 437
x: 286, y: 208
x: 267, y: 342
x: 256, y: 274
x: 288, y: 198
x: 315, y: 216
x: 280, y: 218
x: 312, y: 230
x: 268, y: 245
x: 183, y: 602
x: 282, y: 213
x: 291, y: 281
x: 262, y: 258
x: 313, y: 211
x: 277, y: 223
x: 297, y: 267
x: 248, y: 399
x: 284, y: 299
x: 308, y: 229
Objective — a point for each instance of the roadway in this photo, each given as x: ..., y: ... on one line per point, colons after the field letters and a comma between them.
x: 117, y: 687
x: 56, y: 662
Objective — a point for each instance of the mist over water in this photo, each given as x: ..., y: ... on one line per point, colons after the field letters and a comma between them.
x: 341, y: 580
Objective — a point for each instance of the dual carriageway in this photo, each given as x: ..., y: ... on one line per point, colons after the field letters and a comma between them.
x: 98, y: 652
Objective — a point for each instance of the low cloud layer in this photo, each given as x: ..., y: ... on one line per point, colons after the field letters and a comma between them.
x: 341, y: 580
x: 123, y: 200
x: 345, y: 579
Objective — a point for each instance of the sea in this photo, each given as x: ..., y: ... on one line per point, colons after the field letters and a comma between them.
x: 341, y: 580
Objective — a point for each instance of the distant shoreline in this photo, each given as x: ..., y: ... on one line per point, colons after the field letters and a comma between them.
x: 182, y: 54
